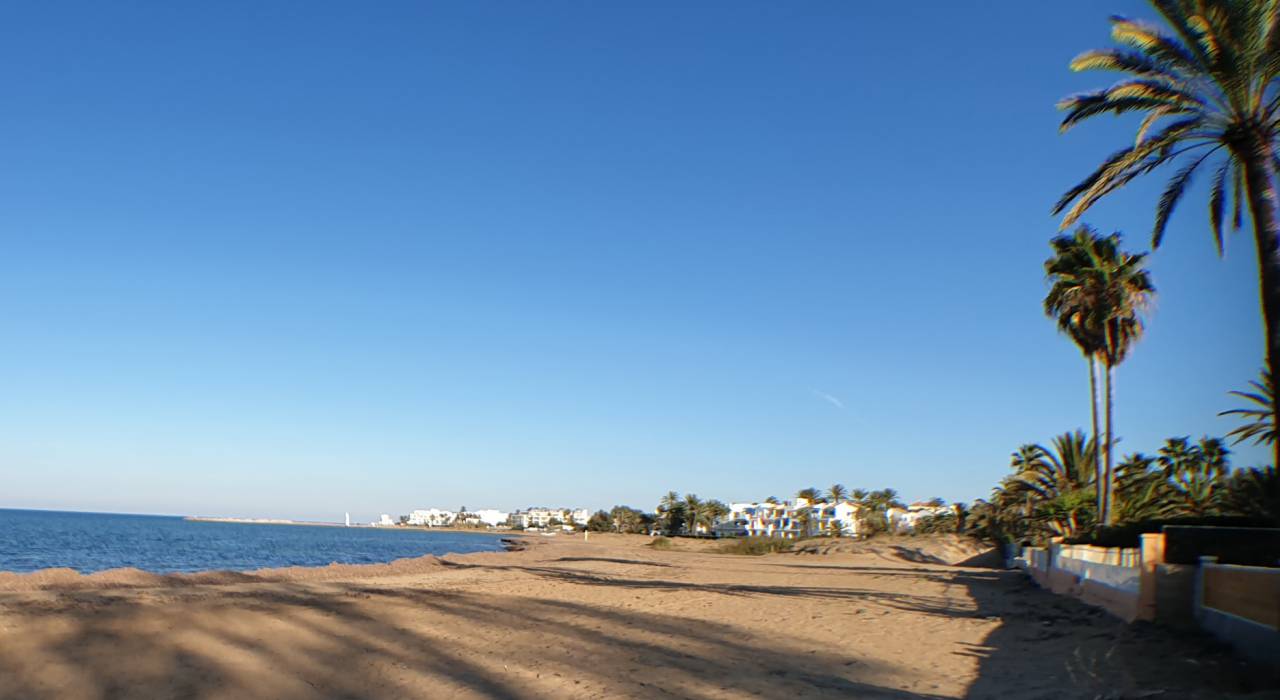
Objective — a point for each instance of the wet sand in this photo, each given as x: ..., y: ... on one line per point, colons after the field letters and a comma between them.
x: 607, y: 618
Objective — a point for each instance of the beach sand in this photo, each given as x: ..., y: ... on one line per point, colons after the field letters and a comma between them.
x: 607, y: 618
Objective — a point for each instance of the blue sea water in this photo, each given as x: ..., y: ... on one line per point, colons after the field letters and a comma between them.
x: 88, y: 542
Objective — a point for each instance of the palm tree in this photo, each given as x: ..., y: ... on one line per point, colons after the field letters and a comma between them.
x: 873, y: 507
x: 1206, y: 88
x: 671, y: 512
x: 1142, y: 492
x: 692, y: 506
x: 811, y: 494
x: 837, y: 493
x: 1048, y: 473
x: 1261, y: 427
x: 1071, y: 301
x: 1098, y: 294
x: 1127, y: 292
x: 885, y: 498
x: 1255, y: 493
x: 1006, y: 517
x: 711, y: 512
x: 1058, y: 483
x: 1197, y: 475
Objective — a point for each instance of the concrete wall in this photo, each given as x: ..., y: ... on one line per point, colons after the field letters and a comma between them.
x: 1108, y: 578
x: 1241, y: 605
x: 1174, y: 594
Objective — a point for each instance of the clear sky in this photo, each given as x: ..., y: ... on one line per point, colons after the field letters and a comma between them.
x: 296, y: 259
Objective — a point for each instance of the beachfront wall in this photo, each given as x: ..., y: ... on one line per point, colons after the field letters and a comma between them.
x: 1110, y: 578
x: 1241, y: 605
x: 1138, y: 584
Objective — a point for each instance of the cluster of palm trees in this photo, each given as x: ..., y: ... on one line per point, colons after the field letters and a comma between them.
x: 1051, y: 490
x: 624, y: 519
x: 1207, y: 84
x: 881, y: 499
x: 873, y: 505
x: 688, y: 515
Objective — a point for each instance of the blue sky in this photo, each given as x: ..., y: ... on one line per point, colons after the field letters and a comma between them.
x: 296, y: 259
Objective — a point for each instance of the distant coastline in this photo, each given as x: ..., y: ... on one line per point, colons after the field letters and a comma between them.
x: 260, y: 521
x: 308, y: 523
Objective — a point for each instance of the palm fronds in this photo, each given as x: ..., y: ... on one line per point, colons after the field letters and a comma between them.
x: 1260, y: 426
x: 1207, y: 75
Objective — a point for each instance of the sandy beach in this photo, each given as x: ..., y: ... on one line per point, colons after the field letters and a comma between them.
x: 611, y: 617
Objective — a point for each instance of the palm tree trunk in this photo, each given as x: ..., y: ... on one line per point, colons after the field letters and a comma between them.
x: 1106, y: 450
x: 1257, y: 155
x: 1097, y: 438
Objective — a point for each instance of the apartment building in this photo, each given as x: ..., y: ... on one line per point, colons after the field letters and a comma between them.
x: 540, y: 518
x: 787, y: 520
x: 432, y: 517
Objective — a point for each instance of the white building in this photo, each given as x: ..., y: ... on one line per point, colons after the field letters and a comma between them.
x: 906, y: 519
x: 385, y: 521
x: 492, y: 517
x: 786, y: 520
x: 432, y: 517
x: 540, y: 518
x: 486, y: 517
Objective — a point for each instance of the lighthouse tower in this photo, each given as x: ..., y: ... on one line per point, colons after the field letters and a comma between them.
x: 348, y: 520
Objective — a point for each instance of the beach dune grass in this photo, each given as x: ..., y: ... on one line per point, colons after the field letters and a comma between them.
x: 755, y: 546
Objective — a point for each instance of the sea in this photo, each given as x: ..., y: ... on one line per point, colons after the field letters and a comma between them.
x: 88, y: 542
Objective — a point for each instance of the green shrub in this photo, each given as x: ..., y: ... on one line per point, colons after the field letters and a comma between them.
x: 756, y: 546
x: 661, y: 543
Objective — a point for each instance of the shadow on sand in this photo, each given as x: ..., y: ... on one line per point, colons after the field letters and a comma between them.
x: 362, y: 641
x: 350, y: 641
x: 1044, y: 646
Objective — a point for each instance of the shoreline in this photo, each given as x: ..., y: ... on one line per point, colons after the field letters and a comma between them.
x: 126, y: 577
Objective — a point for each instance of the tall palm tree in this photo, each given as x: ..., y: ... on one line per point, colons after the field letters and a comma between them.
x: 1127, y: 292
x: 1098, y: 294
x: 837, y: 493
x: 1071, y: 301
x: 1206, y: 84
x: 1261, y: 427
